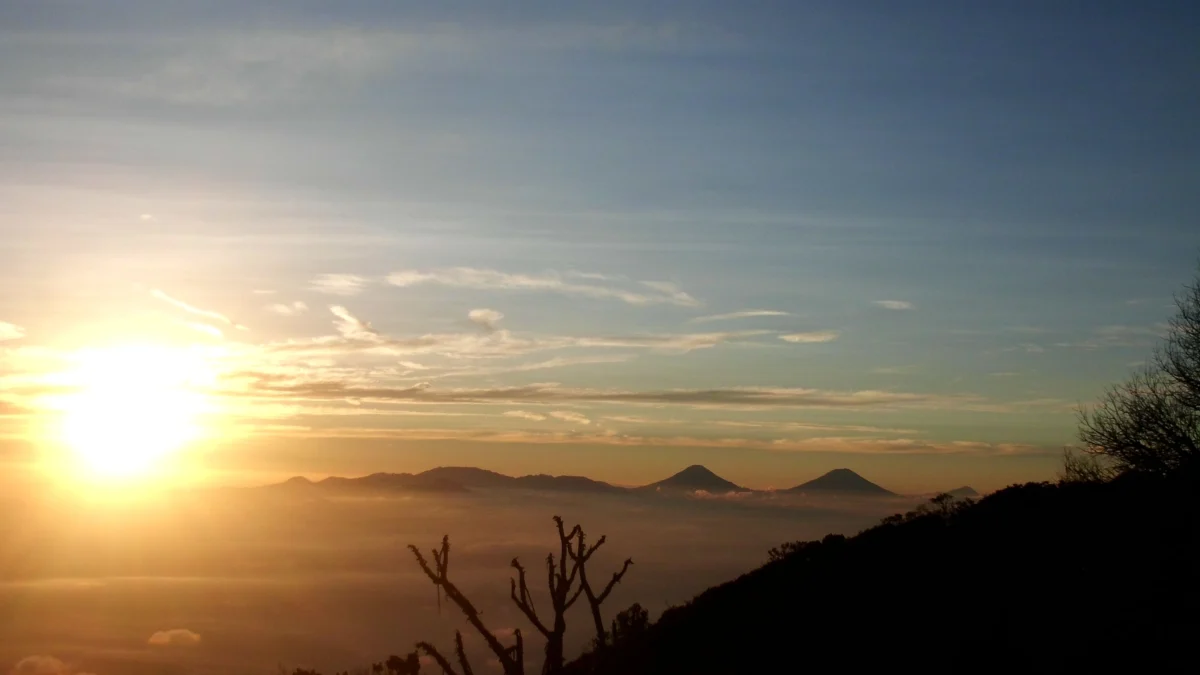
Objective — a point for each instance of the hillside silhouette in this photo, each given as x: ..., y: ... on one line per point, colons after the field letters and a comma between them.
x: 841, y: 481
x: 1034, y: 578
x: 459, y: 479
x: 695, y: 477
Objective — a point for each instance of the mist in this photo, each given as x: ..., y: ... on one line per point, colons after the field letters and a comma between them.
x: 245, y: 580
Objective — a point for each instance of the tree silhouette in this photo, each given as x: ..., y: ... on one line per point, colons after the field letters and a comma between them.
x: 567, y: 581
x: 1151, y: 422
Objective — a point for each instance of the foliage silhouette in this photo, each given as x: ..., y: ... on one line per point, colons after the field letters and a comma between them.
x: 1041, y: 577
x: 1151, y: 422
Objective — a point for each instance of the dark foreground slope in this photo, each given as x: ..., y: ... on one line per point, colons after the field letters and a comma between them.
x: 1034, y: 578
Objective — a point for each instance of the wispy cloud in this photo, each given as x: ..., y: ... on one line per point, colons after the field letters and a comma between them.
x: 9, y: 331
x: 352, y: 327
x: 284, y: 309
x: 571, y: 417
x: 816, y: 336
x: 525, y: 415
x: 1120, y: 336
x: 266, y: 384
x: 192, y: 309
x: 43, y: 665
x: 824, y: 444
x: 211, y: 331
x: 745, y: 314
x: 357, y: 335
x: 339, y: 284
x: 551, y: 282
x: 893, y: 370
x: 893, y: 304
x: 176, y: 637
x: 488, y: 318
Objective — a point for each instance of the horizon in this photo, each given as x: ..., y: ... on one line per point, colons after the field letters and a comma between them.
x: 386, y: 237
x: 316, y: 478
x: 937, y: 244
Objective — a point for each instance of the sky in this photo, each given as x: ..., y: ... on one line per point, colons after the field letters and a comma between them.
x: 614, y: 239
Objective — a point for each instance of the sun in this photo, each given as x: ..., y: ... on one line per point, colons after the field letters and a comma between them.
x: 131, y: 409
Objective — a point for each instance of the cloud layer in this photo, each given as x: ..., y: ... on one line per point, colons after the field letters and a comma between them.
x: 645, y: 293
x: 175, y: 637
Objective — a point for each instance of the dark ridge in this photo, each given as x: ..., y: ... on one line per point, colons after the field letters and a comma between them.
x: 543, y: 481
x: 393, y: 482
x: 469, y: 476
x: 1045, y: 578
x: 841, y: 481
x: 696, y: 477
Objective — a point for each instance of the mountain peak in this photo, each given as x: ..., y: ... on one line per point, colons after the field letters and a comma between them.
x: 697, y: 477
x: 842, y: 481
x: 964, y: 491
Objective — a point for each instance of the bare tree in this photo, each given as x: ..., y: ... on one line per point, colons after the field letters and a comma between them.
x: 1151, y: 423
x: 566, y: 575
x: 512, y: 659
x: 581, y: 555
x: 1083, y: 467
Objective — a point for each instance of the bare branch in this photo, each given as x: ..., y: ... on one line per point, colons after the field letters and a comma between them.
x: 434, y: 654
x: 616, y: 579
x: 462, y: 654
x: 441, y: 579
x: 523, y: 599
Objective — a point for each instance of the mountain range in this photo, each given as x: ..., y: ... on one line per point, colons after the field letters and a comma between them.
x: 460, y: 479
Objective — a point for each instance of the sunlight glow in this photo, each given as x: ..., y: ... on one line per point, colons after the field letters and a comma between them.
x: 131, y: 408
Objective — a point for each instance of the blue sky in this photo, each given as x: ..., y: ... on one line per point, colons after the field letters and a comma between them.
x: 967, y: 220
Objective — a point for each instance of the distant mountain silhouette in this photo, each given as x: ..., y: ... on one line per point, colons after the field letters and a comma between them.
x: 451, y: 479
x: 469, y: 476
x: 472, y: 477
x: 389, y: 482
x: 963, y: 492
x: 448, y: 479
x: 841, y: 481
x: 543, y: 481
x: 695, y: 477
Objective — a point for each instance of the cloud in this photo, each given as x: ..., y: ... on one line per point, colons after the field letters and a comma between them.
x: 284, y: 309
x: 356, y: 335
x: 192, y: 309
x: 558, y: 362
x: 270, y: 384
x: 488, y: 318
x: 683, y: 342
x: 176, y: 637
x: 893, y: 304
x: 550, y: 282
x: 353, y: 328
x: 211, y: 331
x: 893, y: 370
x: 525, y: 415
x: 10, y: 331
x: 816, y: 336
x: 825, y: 444
x: 1121, y: 336
x: 634, y: 419
x: 746, y: 314
x: 339, y: 284
x: 43, y: 665
x: 572, y: 417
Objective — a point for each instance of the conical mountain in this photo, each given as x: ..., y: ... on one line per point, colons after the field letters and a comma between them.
x: 696, y: 477
x: 841, y: 481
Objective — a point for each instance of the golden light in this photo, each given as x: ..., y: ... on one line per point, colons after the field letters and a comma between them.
x: 131, y: 409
